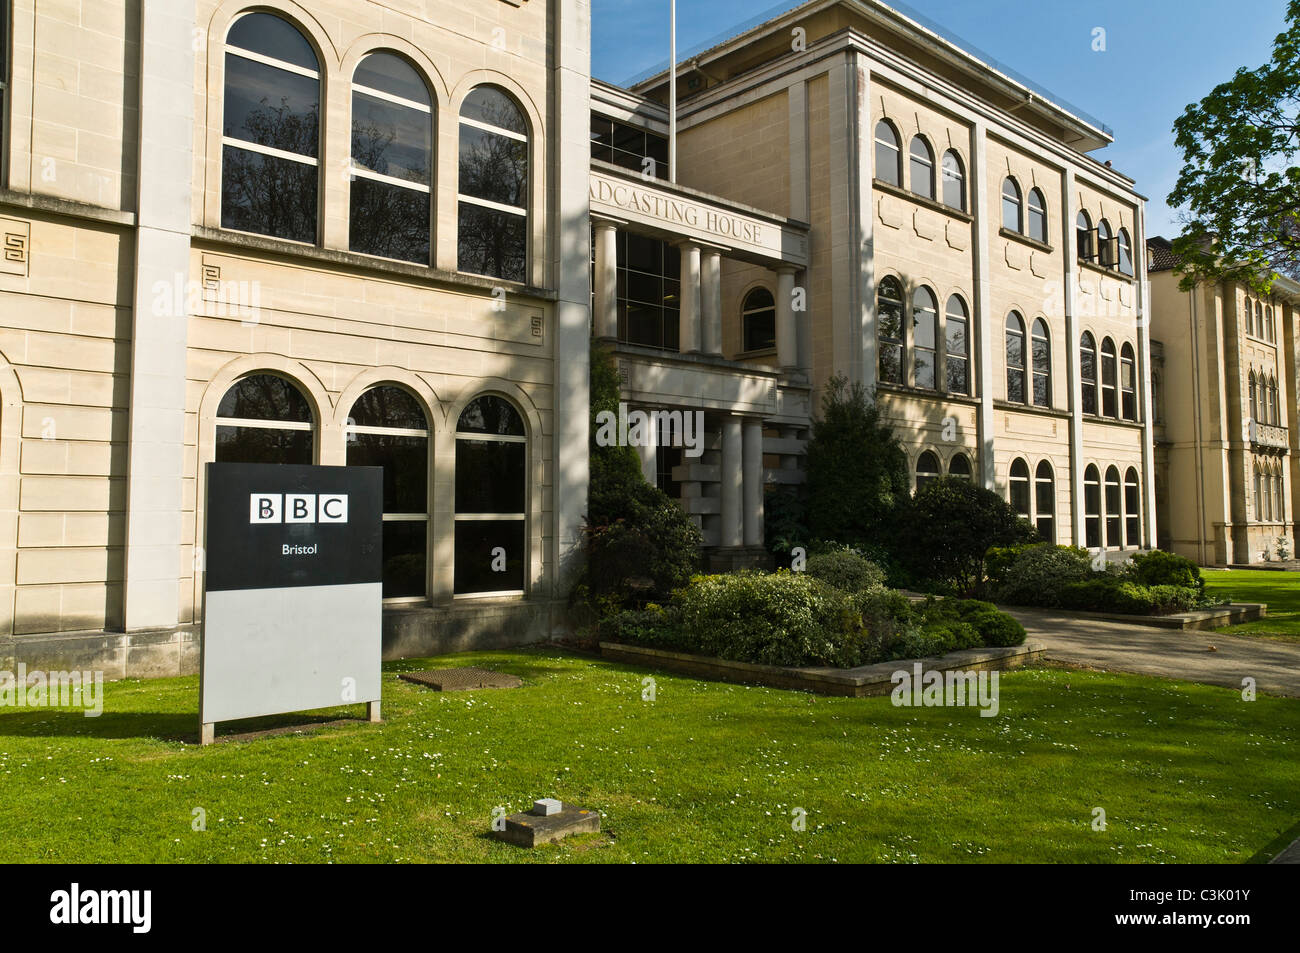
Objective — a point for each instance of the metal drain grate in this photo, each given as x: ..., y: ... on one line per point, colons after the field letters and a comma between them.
x: 461, y: 679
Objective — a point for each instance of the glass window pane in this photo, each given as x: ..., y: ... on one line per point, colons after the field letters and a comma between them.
x: 268, y: 195
x: 259, y: 445
x: 272, y: 36
x: 406, y: 468
x: 265, y: 397
x: 923, y: 369
x: 954, y: 186
x: 957, y: 372
x: 493, y: 167
x: 405, y: 548
x: 271, y: 107
x: 390, y: 139
x: 391, y: 74
x: 760, y: 330
x: 492, y: 243
x: 490, y: 105
x: 490, y: 476
x: 476, y: 541
x: 491, y: 415
x: 388, y: 406
x: 389, y: 221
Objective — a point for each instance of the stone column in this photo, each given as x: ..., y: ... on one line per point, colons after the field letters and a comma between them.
x: 711, y: 302
x: 984, y: 324
x: 605, y: 282
x: 787, y: 334
x: 731, y: 476
x: 690, y: 315
x: 753, y: 482
x: 649, y: 453
x: 1073, y: 341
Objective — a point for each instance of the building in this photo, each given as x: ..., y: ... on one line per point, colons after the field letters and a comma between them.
x: 351, y: 232
x: 1227, y: 449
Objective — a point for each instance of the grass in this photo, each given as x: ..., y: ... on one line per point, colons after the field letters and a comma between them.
x: 1281, y: 590
x: 706, y: 772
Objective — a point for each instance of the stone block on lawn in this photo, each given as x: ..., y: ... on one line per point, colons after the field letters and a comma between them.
x: 528, y: 829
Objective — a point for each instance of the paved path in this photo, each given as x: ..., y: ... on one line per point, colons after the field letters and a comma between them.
x: 1173, y: 653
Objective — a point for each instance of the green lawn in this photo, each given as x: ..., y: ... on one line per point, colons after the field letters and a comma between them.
x: 706, y: 772
x: 1281, y: 590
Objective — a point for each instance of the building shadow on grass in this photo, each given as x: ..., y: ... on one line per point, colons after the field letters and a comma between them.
x: 160, y: 726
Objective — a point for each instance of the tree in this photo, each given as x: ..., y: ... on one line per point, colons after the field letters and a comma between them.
x: 857, y: 470
x: 947, y: 529
x: 1239, y: 182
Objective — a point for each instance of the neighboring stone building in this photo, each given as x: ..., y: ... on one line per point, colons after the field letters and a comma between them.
x: 1227, y: 445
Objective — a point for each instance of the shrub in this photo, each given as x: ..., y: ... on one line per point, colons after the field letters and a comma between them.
x: 1158, y: 568
x: 959, y: 522
x: 785, y: 521
x: 919, y: 643
x: 655, y: 626
x: 1037, y: 574
x: 885, y: 613
x: 781, y: 618
x: 1116, y: 594
x: 846, y: 569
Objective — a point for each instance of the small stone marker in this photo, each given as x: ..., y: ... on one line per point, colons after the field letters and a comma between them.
x: 461, y: 679
x: 533, y: 828
x: 547, y: 806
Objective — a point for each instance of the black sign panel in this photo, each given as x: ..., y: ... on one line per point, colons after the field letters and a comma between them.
x: 272, y: 526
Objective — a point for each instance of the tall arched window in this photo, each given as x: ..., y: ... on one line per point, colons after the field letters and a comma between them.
x: 1092, y: 507
x: 1132, y: 509
x: 956, y: 330
x: 1274, y: 405
x: 1083, y: 236
x: 889, y: 157
x: 1019, y: 484
x: 959, y: 466
x: 1012, y: 212
x: 271, y: 130
x: 921, y: 167
x: 1088, y: 371
x: 264, y: 419
x: 1015, y: 358
x: 889, y: 329
x: 493, y: 211
x: 1037, y: 216
x: 758, y: 318
x: 1254, y: 397
x: 1109, y: 379
x: 1128, y: 382
x: 1259, y: 320
x: 1248, y: 317
x: 1125, y: 249
x: 1042, y: 363
x: 1107, y: 252
x: 927, y: 469
x: 1259, y: 494
x: 1270, y: 328
x: 1045, y: 501
x: 491, y: 498
x: 392, y: 160
x: 925, y: 334
x: 387, y: 428
x: 1114, y: 509
x: 954, y: 181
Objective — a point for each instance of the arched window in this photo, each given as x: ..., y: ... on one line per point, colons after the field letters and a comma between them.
x: 1107, y: 252
x: 927, y: 469
x: 889, y: 158
x: 1132, y: 509
x: 1088, y: 371
x: 1045, y: 501
x: 921, y: 167
x: 1259, y: 320
x: 1259, y: 494
x: 1109, y: 376
x: 1254, y: 397
x: 271, y: 130
x: 1274, y: 405
x: 392, y: 160
x: 1270, y: 329
x: 387, y: 428
x: 1128, y: 382
x: 264, y: 419
x: 1248, y: 317
x: 493, y: 210
x: 491, y: 498
x: 1037, y: 216
x: 1114, y: 511
x: 954, y: 181
x: 1083, y: 236
x: 1012, y: 213
x: 1125, y: 249
x: 925, y: 334
x: 889, y: 329
x: 1020, y: 489
x: 956, y: 329
x: 758, y: 317
x: 959, y: 466
x: 1279, y: 480
x: 1015, y: 358
x: 1042, y: 361
x: 1092, y: 507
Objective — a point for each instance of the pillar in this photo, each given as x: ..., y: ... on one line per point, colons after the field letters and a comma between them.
x: 711, y: 302
x: 753, y: 482
x: 787, y: 334
x: 648, y: 451
x: 986, y: 327
x: 690, y: 314
x: 731, y: 476
x: 605, y: 282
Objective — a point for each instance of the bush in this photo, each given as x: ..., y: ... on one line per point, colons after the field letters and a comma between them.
x: 781, y: 618
x: 846, y: 569
x: 1158, y: 568
x: 1036, y: 574
x: 885, y: 613
x: 958, y: 524
x: 1116, y: 594
x: 654, y: 626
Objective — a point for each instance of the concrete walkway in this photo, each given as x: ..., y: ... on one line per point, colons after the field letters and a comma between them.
x: 1121, y: 647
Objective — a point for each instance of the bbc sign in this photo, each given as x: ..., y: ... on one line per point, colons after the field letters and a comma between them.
x: 292, y: 589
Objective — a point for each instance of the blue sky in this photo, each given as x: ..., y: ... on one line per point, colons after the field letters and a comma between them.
x: 1160, y: 55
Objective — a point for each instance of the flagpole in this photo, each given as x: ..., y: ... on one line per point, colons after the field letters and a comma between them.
x: 672, y: 91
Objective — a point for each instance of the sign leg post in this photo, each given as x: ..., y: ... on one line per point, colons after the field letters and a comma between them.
x: 207, y: 733
x: 372, y: 712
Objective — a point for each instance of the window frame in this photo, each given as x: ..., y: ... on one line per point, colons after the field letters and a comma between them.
x: 1034, y: 373
x: 1128, y: 403
x: 958, y: 177
x: 1109, y: 407
x: 1016, y: 201
x: 1040, y: 213
x: 1132, y: 513
x: 1114, y: 534
x: 896, y: 147
x: 1020, y: 333
x: 917, y: 350
x: 458, y: 517
x: 922, y: 478
x: 899, y: 343
x: 1020, y: 483
x: 1090, y: 385
x: 926, y: 162
x: 1050, y: 482
x: 747, y: 311
x: 949, y: 356
x: 1092, y: 507
x: 266, y: 423
x: 1084, y: 237
x: 525, y: 211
